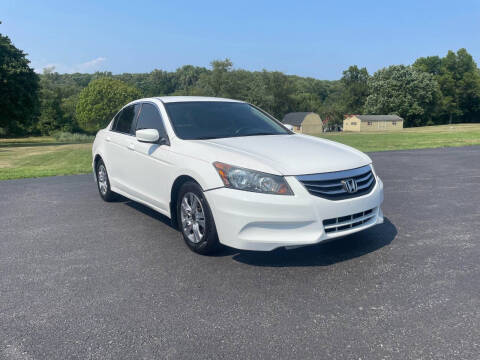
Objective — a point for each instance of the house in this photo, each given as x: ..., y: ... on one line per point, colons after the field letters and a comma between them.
x: 304, y: 122
x: 372, y: 123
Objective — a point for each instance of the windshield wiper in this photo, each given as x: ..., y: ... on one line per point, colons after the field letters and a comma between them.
x: 205, y: 138
x: 255, y: 134
x: 223, y: 137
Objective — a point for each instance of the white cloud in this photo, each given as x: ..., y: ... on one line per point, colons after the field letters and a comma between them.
x: 85, y: 67
x: 91, y: 65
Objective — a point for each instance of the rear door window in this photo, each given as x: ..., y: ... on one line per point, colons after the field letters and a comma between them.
x: 115, y: 120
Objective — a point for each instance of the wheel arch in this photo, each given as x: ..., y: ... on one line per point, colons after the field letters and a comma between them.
x: 177, y: 184
x: 96, y: 159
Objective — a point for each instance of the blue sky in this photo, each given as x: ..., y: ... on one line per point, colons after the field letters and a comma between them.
x: 307, y: 38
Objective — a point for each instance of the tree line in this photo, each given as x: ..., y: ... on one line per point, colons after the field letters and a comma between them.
x: 433, y: 90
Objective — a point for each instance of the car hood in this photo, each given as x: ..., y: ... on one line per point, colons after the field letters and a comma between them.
x: 284, y: 154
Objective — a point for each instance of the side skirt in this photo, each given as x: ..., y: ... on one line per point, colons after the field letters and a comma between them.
x: 129, y: 196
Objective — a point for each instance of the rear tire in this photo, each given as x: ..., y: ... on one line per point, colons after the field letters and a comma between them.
x: 103, y: 183
x: 195, y: 220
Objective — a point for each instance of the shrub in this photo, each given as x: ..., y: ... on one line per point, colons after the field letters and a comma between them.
x: 63, y: 136
x: 100, y: 100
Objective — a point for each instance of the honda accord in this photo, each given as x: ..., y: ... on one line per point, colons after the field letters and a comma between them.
x: 226, y: 172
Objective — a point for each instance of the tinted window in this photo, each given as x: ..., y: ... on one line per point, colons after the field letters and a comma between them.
x: 150, y: 118
x: 216, y: 119
x: 115, y: 120
x: 125, y: 122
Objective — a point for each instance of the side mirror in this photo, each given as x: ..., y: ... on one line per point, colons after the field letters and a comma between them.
x: 147, y: 135
x: 288, y: 126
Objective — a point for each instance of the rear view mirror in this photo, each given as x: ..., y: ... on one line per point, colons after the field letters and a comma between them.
x: 288, y: 126
x: 147, y: 135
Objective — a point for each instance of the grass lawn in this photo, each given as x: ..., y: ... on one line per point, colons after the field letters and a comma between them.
x: 411, y: 138
x: 44, y: 156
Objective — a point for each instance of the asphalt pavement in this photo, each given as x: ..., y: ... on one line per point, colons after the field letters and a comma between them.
x: 85, y: 279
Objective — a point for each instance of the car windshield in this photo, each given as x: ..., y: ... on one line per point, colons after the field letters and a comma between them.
x: 216, y: 119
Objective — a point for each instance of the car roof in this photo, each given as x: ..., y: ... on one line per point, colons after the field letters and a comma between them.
x: 171, y: 99
x: 174, y: 99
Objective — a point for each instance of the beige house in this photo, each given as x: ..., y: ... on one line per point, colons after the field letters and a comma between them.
x: 372, y: 123
x: 304, y: 122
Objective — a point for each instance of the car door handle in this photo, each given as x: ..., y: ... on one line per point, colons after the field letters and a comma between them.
x: 131, y: 147
x: 108, y: 138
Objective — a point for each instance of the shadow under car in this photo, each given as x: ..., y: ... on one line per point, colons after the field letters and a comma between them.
x: 323, y: 254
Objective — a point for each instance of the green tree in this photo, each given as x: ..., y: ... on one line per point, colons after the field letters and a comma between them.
x: 51, y: 115
x: 186, y: 78
x: 332, y: 109
x: 159, y: 83
x: 305, y: 101
x: 280, y: 88
x: 18, y: 90
x: 218, y: 77
x: 257, y: 92
x: 100, y: 100
x: 273, y: 91
x: 430, y: 64
x: 58, y: 97
x: 68, y: 108
x: 216, y: 81
x: 404, y: 91
x: 355, y: 92
x: 459, y: 80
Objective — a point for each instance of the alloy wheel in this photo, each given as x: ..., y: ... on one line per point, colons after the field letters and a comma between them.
x: 192, y: 217
x: 102, y: 179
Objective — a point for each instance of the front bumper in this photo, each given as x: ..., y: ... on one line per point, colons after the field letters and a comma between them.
x: 253, y: 221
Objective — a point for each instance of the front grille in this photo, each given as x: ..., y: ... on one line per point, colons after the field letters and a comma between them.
x: 330, y: 186
x: 349, y: 221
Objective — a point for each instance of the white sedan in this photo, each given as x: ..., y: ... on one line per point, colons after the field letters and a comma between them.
x: 226, y: 172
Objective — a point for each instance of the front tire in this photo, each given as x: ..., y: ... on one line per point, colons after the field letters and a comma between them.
x: 103, y: 183
x: 195, y: 220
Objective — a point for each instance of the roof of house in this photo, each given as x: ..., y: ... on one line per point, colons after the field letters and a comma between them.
x: 295, y: 118
x: 379, y: 117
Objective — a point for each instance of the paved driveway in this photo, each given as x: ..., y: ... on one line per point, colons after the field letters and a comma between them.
x: 80, y: 278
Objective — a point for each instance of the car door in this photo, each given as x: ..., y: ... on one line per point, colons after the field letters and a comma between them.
x: 111, y: 151
x: 153, y: 167
x: 119, y: 149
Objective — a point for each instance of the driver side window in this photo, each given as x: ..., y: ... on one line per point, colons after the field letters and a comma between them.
x: 150, y: 118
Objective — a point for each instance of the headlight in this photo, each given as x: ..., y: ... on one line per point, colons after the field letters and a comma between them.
x: 250, y: 180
